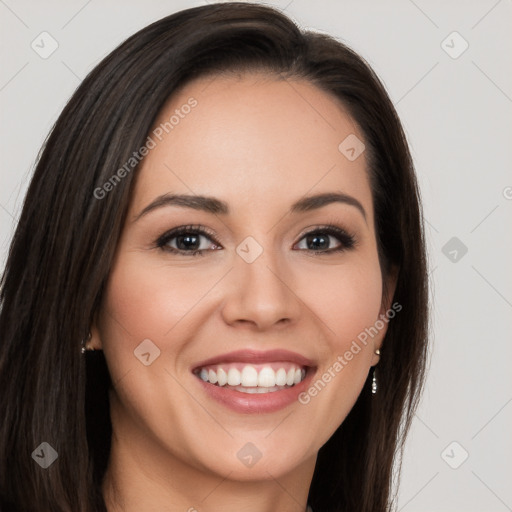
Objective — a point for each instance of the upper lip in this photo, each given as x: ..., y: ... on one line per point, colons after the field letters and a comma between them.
x: 256, y: 357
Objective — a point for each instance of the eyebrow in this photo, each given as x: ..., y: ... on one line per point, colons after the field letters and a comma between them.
x: 217, y: 206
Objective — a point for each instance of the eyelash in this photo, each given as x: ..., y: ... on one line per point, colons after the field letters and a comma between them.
x: 347, y: 240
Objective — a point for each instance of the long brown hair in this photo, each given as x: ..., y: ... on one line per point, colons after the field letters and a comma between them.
x: 62, y: 251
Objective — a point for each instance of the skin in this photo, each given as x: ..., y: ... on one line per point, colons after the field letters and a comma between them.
x: 258, y: 143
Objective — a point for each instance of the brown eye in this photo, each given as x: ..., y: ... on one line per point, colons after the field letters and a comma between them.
x: 187, y: 240
x: 327, y: 240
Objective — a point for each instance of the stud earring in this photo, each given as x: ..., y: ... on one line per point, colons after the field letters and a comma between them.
x: 84, y: 342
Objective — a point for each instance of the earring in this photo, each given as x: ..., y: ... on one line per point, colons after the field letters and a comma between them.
x: 84, y: 342
x: 374, y: 379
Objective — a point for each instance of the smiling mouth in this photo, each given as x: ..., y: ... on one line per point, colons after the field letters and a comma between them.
x: 253, y: 378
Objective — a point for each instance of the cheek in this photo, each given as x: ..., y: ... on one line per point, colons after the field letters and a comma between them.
x: 348, y: 304
x: 348, y: 300
x: 138, y: 305
x: 144, y: 301
x: 148, y: 301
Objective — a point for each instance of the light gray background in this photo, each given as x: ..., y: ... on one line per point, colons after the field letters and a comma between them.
x: 457, y: 115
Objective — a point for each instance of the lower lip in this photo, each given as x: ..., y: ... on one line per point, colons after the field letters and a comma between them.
x: 247, y: 403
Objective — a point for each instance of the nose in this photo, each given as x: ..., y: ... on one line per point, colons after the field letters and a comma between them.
x: 261, y: 294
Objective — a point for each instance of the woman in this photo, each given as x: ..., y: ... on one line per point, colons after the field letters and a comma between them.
x: 216, y: 295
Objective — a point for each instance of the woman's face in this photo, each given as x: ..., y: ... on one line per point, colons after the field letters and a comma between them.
x: 270, y: 276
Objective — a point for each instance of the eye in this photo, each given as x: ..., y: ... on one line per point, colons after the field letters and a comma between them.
x: 189, y: 240
x: 321, y: 239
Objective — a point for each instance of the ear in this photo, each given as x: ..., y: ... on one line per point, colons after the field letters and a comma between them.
x: 388, y: 288
x: 388, y: 291
x: 95, y: 341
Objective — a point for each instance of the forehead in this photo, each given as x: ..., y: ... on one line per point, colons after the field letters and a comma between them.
x: 252, y: 140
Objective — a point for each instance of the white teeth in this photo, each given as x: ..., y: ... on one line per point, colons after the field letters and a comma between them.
x: 264, y: 379
x: 281, y: 377
x: 249, y: 376
x: 253, y: 390
x: 267, y: 378
x: 234, y: 377
x: 222, y: 378
x: 212, y: 377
